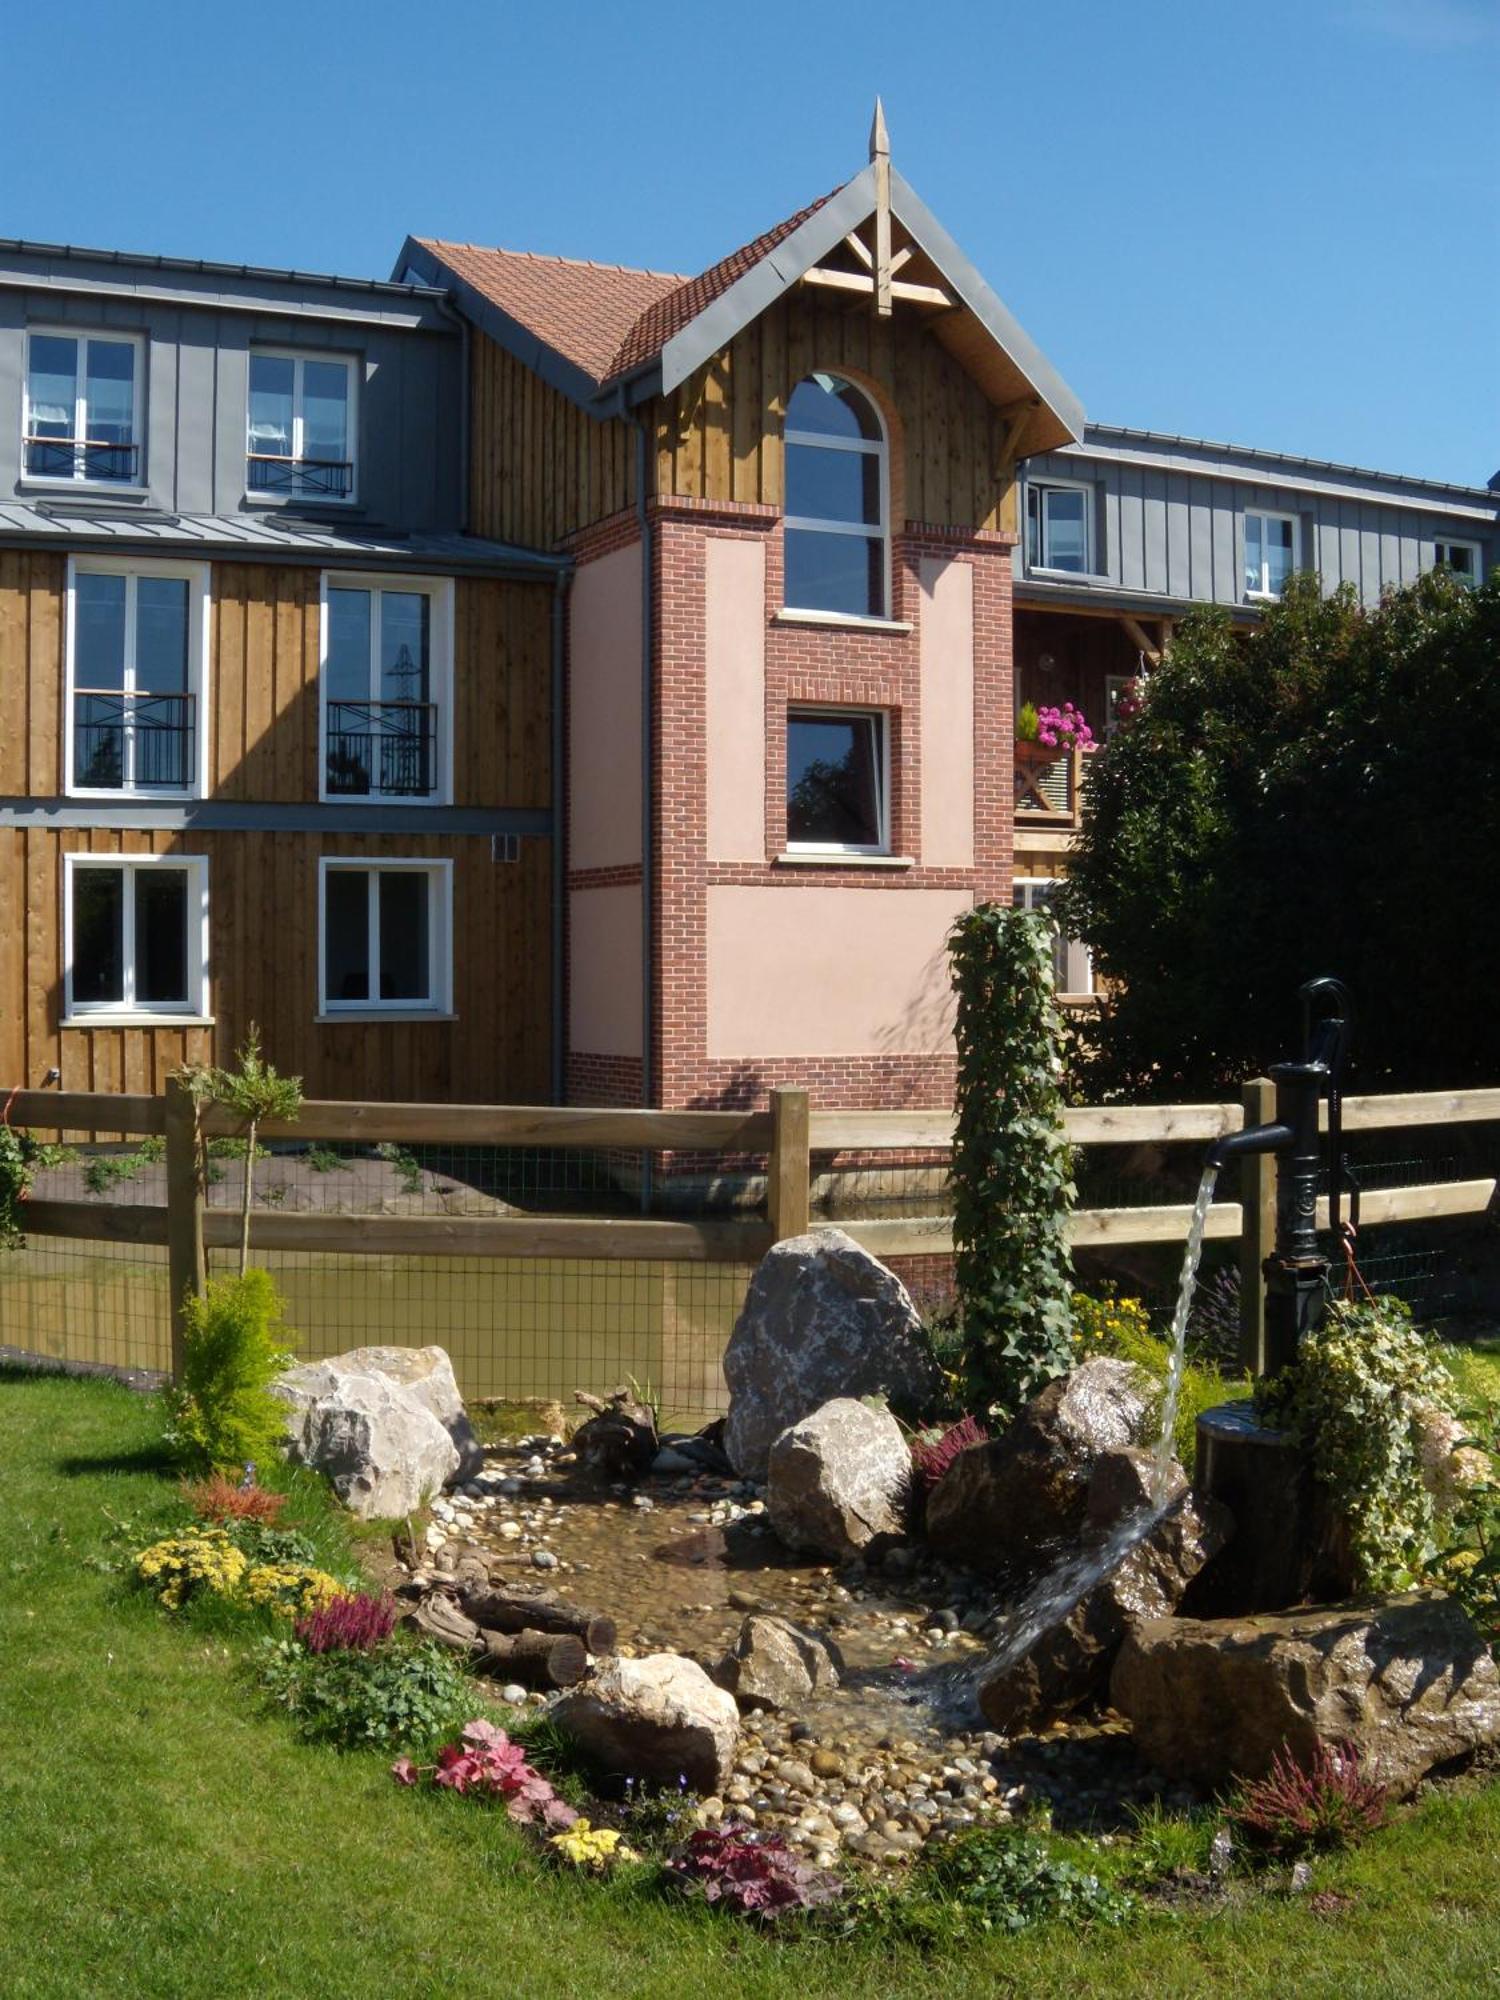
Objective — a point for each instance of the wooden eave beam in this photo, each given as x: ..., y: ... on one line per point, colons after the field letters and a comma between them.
x: 1141, y: 638
x: 856, y: 281
x: 1017, y: 418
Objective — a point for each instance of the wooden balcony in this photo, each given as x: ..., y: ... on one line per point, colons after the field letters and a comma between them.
x: 1053, y: 796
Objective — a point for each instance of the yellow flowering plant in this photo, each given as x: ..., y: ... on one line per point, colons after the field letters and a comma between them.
x: 183, y: 1566
x: 585, y: 1846
x: 291, y: 1590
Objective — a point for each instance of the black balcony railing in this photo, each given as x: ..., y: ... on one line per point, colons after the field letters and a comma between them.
x: 133, y: 742
x: 80, y: 458
x: 306, y: 478
x: 385, y: 748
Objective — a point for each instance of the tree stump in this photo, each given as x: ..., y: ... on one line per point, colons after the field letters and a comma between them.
x: 620, y: 1440
x: 535, y: 1659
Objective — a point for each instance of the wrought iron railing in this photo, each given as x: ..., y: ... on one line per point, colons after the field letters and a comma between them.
x: 80, y: 458
x: 381, y: 748
x: 307, y: 478
x: 133, y: 742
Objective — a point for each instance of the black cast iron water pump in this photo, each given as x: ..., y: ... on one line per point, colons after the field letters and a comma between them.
x: 1296, y: 1272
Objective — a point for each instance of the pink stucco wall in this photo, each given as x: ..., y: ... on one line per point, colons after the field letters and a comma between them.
x: 947, y: 672
x: 829, y: 971
x: 604, y: 971
x: 735, y: 698
x: 604, y: 711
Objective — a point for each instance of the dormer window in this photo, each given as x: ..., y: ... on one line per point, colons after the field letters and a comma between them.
x: 836, y: 505
x: 301, y: 432
x: 1057, y: 527
x: 1463, y: 558
x: 80, y: 420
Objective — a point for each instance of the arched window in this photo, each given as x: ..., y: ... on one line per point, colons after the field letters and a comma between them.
x: 835, y: 500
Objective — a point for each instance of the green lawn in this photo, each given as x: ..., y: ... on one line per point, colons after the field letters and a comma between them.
x: 159, y: 1836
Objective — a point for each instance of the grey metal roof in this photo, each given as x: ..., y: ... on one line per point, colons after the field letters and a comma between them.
x: 1104, y: 433
x: 279, y: 538
x: 205, y: 267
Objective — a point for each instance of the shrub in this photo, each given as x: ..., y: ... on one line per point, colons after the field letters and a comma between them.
x: 1469, y: 1567
x: 352, y: 1623
x: 593, y: 1847
x: 1005, y: 1879
x: 221, y: 1499
x: 262, y: 1544
x: 485, y: 1761
x: 399, y: 1695
x: 222, y: 1413
x: 753, y: 1875
x: 1121, y: 1328
x: 203, y: 1563
x: 1355, y: 1396
x: 1328, y: 1802
x: 1012, y: 1165
x: 932, y: 1456
x: 291, y: 1590
x: 16, y: 1155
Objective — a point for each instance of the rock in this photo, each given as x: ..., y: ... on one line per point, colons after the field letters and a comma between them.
x: 838, y: 1478
x: 1002, y: 1503
x: 619, y: 1441
x: 1070, y: 1661
x: 424, y: 1374
x: 660, y: 1719
x: 822, y: 1318
x: 1407, y: 1680
x: 775, y: 1664
x: 1121, y: 1483
x: 383, y: 1452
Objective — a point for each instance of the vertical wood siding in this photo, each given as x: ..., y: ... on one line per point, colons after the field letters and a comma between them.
x: 540, y: 469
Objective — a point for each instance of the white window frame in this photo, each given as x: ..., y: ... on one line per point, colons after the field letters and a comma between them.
x: 68, y: 480
x: 1443, y: 543
x: 1074, y: 951
x: 351, y: 365
x: 194, y: 1011
x: 439, y: 1003
x: 811, y: 710
x: 878, y: 449
x: 1042, y: 487
x: 200, y: 616
x: 1265, y: 595
x: 441, y: 636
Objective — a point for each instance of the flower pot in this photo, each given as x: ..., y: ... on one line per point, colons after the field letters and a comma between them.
x: 1033, y: 757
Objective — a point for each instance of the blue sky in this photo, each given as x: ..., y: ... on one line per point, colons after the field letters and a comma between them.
x: 1271, y: 223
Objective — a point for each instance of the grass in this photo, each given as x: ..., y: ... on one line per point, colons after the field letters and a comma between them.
x: 160, y: 1835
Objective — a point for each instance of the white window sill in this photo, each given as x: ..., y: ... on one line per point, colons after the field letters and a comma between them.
x: 1264, y: 596
x: 1044, y: 570
x: 133, y: 795
x: 365, y: 1015
x: 808, y: 857
x: 107, y: 1020
x: 417, y: 799
x: 842, y: 620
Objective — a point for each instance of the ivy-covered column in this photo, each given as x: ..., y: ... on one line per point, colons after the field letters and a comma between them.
x: 1012, y: 1164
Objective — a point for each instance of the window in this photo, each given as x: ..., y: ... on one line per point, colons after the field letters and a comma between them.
x: 136, y: 644
x: 385, y: 688
x: 1270, y: 553
x: 836, y: 781
x: 1072, y: 968
x: 136, y: 937
x: 82, y: 398
x: 1463, y: 558
x: 836, y: 558
x: 301, y: 434
x: 386, y: 934
x: 1057, y: 528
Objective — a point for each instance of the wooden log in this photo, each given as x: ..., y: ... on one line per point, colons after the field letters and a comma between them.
x: 502, y: 1610
x: 535, y: 1659
x: 440, y: 1618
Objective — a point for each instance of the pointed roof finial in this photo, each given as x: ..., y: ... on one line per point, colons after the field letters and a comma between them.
x: 880, y: 139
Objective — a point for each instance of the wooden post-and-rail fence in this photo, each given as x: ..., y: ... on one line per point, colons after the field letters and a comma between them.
x: 787, y: 1136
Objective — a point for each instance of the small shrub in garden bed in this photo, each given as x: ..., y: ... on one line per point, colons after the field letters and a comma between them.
x: 485, y: 1761
x: 1004, y: 1879
x: 262, y: 1544
x: 752, y: 1875
x: 222, y: 1414
x: 356, y: 1623
x: 592, y: 1847
x: 931, y: 1456
x: 221, y: 1499
x: 203, y: 1563
x: 1329, y: 1802
x: 400, y: 1695
x: 291, y: 1590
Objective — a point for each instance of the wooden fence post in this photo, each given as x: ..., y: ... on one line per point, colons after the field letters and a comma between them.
x: 187, y: 1268
x: 790, y: 1191
x: 1258, y: 1227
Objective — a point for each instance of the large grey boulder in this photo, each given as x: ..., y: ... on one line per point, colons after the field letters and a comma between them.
x: 660, y: 1719
x: 1000, y: 1505
x: 776, y: 1664
x: 838, y: 1479
x: 822, y: 1318
x: 384, y: 1453
x: 1069, y: 1660
x: 424, y: 1374
x: 1407, y: 1680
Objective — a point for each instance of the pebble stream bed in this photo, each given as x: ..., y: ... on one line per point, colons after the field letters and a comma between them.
x: 874, y: 1769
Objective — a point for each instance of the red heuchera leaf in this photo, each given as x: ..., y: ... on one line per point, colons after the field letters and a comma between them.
x: 404, y: 1771
x: 758, y: 1877
x: 486, y: 1761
